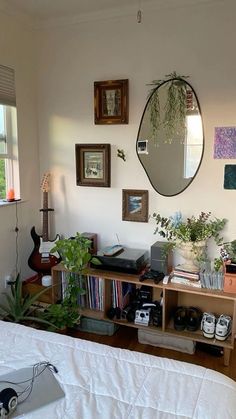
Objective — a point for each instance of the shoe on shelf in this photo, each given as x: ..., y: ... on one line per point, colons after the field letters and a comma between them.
x: 193, y: 319
x: 223, y: 327
x: 180, y: 318
x: 208, y: 325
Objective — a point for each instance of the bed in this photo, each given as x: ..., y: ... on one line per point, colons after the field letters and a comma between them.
x: 101, y: 382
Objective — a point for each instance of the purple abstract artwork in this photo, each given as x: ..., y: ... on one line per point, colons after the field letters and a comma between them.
x: 225, y: 143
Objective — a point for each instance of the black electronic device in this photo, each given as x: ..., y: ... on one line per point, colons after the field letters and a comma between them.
x: 230, y: 268
x: 128, y: 261
x: 8, y: 402
x: 161, y: 260
x: 156, y: 276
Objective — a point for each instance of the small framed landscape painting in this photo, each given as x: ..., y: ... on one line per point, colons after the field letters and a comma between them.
x: 111, y: 102
x: 93, y: 164
x: 135, y: 205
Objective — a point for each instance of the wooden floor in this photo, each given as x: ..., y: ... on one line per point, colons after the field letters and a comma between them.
x: 126, y: 338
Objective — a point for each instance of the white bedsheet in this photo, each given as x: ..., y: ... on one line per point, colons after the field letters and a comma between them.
x: 101, y: 382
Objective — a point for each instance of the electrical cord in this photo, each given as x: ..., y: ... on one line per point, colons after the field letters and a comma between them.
x: 17, y: 236
x: 36, y: 373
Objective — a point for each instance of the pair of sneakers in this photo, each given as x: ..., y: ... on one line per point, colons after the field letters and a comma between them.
x: 219, y: 328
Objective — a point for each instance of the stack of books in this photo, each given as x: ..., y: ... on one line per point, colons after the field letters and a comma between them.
x: 184, y: 277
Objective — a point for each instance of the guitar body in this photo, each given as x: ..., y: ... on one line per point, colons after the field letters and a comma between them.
x: 39, y: 261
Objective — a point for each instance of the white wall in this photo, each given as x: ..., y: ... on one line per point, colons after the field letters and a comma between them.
x: 17, y: 50
x: 195, y: 40
x: 198, y: 41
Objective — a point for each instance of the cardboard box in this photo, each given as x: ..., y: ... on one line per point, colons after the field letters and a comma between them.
x: 230, y: 283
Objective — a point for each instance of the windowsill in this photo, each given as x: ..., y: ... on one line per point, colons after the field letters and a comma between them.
x: 4, y: 203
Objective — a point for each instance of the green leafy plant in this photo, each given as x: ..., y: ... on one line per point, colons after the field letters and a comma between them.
x: 61, y: 316
x: 218, y: 264
x: 228, y: 251
x: 194, y: 229
x: 75, y: 254
x: 17, y: 308
x: 173, y: 121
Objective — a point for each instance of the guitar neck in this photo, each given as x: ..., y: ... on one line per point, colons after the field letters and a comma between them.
x: 45, y: 217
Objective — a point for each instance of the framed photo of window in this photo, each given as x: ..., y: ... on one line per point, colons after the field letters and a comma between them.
x: 93, y: 164
x: 135, y: 205
x: 111, y: 102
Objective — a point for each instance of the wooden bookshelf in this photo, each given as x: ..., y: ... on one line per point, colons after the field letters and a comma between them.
x: 174, y: 295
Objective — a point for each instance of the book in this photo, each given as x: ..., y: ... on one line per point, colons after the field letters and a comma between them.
x: 184, y: 281
x: 179, y: 270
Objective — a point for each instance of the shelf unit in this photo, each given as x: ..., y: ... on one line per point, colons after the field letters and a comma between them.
x: 174, y: 295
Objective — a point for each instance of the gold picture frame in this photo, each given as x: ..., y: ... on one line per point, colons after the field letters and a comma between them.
x: 111, y: 101
x: 135, y: 205
x: 93, y: 167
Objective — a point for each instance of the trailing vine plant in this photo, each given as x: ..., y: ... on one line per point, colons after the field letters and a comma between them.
x: 172, y: 122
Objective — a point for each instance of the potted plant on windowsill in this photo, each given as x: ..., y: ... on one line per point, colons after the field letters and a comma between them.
x: 190, y: 235
x: 75, y: 255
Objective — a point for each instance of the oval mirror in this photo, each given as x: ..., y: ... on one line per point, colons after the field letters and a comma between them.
x: 170, y: 139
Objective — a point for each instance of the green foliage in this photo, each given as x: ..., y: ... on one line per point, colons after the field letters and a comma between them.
x: 218, y: 264
x: 176, y: 230
x: 76, y: 256
x: 75, y: 253
x: 173, y: 122
x: 61, y: 316
x: 230, y: 249
x: 17, y: 308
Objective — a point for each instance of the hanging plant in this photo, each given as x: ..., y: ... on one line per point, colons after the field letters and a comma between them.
x: 172, y: 122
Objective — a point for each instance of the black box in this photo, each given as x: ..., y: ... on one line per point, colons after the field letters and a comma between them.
x: 129, y: 261
x: 159, y: 260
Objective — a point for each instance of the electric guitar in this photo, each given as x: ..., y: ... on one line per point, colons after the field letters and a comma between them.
x: 42, y: 259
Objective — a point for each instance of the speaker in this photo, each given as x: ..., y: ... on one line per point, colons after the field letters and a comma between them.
x: 160, y: 261
x: 93, y: 238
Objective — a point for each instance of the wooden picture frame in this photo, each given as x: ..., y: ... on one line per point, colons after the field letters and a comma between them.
x: 111, y: 101
x: 135, y: 205
x: 93, y: 167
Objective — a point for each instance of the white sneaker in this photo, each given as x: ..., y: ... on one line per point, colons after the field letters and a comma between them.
x: 223, y: 327
x: 208, y: 325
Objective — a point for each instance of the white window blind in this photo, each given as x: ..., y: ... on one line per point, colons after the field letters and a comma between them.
x: 7, y: 86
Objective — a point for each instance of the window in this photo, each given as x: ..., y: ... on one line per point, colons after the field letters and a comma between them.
x: 193, y: 145
x: 9, y: 168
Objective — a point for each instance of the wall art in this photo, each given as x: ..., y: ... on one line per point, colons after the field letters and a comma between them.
x: 111, y: 101
x: 225, y: 143
x: 93, y: 164
x: 135, y: 205
x: 230, y: 176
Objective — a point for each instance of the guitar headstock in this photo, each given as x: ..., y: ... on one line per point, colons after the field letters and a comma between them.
x: 44, y: 186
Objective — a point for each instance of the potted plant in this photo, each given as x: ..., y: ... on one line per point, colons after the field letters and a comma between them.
x: 18, y: 308
x: 190, y: 235
x: 75, y: 255
x: 61, y: 316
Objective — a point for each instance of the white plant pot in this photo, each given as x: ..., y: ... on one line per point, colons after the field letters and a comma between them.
x: 191, y: 252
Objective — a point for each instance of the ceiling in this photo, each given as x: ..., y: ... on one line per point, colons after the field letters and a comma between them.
x: 40, y: 11
x: 51, y: 9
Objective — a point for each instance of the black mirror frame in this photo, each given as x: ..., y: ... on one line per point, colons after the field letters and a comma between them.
x: 203, y: 136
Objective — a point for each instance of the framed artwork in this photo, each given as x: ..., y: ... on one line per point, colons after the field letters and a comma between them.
x: 135, y: 205
x: 93, y: 164
x: 230, y: 176
x: 225, y: 143
x: 111, y: 102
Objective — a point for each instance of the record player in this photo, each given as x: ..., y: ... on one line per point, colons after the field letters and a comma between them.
x: 128, y: 261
